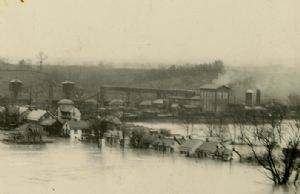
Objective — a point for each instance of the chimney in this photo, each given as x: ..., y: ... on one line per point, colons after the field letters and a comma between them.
x: 249, y: 98
x: 258, y: 95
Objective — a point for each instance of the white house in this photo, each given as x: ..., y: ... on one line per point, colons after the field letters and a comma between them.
x: 67, y: 111
x: 75, y: 129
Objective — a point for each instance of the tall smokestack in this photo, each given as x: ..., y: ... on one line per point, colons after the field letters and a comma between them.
x: 249, y: 98
x: 258, y: 95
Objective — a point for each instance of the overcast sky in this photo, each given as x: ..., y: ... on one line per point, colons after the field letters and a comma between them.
x: 153, y: 31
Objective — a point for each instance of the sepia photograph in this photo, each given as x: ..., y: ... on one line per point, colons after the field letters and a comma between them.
x: 149, y: 97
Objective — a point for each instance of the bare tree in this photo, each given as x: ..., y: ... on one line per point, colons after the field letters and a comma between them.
x: 218, y: 128
x: 278, y: 161
x: 187, y: 122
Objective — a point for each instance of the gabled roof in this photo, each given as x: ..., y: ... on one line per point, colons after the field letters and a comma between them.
x: 112, y: 119
x: 65, y: 102
x: 31, y: 126
x: 78, y: 124
x: 68, y: 82
x: 116, y: 102
x: 146, y: 103
x: 191, y: 145
x: 36, y: 115
x: 16, y: 80
x: 168, y: 142
x: 210, y: 147
x: 48, y: 122
x: 158, y: 101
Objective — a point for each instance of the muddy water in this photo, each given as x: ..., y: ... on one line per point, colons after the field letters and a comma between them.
x: 72, y: 167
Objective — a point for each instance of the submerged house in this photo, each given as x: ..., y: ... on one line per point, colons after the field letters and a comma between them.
x: 28, y: 133
x: 76, y: 129
x: 190, y: 146
x: 52, y: 126
x: 113, y: 137
x: 166, y: 144
x: 214, y: 150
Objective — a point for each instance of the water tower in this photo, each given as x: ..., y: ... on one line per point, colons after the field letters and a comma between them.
x: 68, y: 89
x: 15, y: 88
x: 249, y: 97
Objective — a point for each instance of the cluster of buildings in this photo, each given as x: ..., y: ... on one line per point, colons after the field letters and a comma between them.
x: 192, y: 146
x: 207, y: 100
x: 64, y: 119
x: 69, y: 116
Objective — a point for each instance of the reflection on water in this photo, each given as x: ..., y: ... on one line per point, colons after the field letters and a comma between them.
x: 73, y: 167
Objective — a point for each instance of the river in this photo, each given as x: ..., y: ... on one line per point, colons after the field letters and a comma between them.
x: 70, y: 167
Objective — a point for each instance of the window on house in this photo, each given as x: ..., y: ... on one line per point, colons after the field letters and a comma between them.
x: 65, y: 115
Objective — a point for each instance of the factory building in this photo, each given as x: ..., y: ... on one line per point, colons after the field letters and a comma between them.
x: 214, y: 98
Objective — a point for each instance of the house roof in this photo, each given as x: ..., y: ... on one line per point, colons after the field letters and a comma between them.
x: 26, y: 126
x: 165, y: 141
x: 2, y: 108
x: 16, y: 80
x: 48, y: 122
x: 91, y: 102
x: 36, y: 115
x: 146, y: 103
x: 78, y: 124
x: 68, y: 82
x: 65, y: 102
x: 23, y: 109
x: 191, y: 144
x: 208, y: 147
x: 158, y: 101
x: 175, y: 105
x: 116, y: 102
x: 112, y: 119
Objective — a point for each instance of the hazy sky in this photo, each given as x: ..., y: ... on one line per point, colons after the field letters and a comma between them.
x: 236, y: 31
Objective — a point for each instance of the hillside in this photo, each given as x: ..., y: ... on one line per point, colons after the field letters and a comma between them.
x: 90, y: 78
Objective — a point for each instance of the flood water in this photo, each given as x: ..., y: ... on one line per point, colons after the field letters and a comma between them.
x: 72, y: 167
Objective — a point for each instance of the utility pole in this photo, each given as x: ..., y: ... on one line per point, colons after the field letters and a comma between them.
x: 42, y: 57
